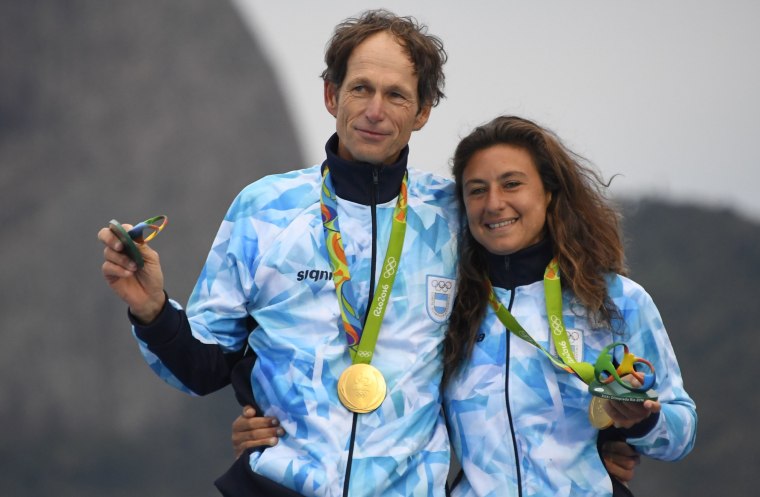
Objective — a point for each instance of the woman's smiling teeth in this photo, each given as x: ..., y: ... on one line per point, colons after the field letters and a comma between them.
x: 500, y: 224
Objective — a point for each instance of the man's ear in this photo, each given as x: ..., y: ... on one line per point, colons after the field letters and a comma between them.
x: 331, y: 98
x: 422, y: 117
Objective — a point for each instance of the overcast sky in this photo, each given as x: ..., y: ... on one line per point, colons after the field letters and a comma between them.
x: 664, y: 93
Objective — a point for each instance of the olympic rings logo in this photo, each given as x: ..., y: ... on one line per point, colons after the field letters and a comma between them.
x: 442, y: 285
x: 363, y: 353
x: 556, y: 324
x: 390, y: 268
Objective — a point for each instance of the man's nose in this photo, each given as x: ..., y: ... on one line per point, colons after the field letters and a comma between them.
x: 375, y: 108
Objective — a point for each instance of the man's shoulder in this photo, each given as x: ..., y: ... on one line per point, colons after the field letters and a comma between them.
x: 429, y: 183
x: 289, y: 189
x: 305, y: 176
x: 277, y: 197
x: 433, y: 202
x: 429, y: 177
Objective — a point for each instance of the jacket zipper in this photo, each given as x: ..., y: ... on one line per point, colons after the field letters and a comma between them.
x: 506, y: 400
x: 373, y: 211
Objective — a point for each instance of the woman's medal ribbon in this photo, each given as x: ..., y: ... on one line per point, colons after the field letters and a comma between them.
x: 599, y: 376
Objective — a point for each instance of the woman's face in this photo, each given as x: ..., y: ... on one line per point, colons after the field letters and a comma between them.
x: 504, y: 198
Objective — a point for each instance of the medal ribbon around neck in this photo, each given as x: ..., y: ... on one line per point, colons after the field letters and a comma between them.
x: 553, y: 294
x: 361, y: 340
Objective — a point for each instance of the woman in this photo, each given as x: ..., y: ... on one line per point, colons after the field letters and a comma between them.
x: 518, y: 423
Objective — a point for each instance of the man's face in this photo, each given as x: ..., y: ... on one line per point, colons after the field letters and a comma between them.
x: 376, y: 108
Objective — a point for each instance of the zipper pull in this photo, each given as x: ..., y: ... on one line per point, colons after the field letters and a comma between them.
x: 375, y: 183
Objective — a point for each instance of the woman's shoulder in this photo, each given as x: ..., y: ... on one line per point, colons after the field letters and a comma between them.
x: 623, y: 287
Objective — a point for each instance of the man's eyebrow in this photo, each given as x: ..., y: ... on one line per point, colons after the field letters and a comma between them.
x: 399, y: 88
x: 357, y: 80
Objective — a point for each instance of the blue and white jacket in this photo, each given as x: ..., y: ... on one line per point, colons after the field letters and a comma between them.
x: 269, y: 263
x: 519, y: 425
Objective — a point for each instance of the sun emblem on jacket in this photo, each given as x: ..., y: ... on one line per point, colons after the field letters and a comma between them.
x: 440, y: 295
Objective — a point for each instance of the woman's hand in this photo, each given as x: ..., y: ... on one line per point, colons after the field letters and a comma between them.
x: 627, y: 414
x: 249, y: 431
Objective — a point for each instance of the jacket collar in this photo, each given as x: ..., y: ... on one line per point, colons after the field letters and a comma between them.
x: 524, y: 267
x: 353, y: 180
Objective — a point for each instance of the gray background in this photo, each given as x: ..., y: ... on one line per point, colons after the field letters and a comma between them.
x: 663, y: 93
x: 130, y: 109
x: 116, y: 110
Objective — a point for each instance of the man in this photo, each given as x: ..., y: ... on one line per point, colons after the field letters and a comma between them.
x: 344, y: 271
x: 270, y: 261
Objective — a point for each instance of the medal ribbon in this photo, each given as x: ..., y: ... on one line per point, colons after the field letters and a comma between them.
x: 553, y: 295
x: 361, y: 339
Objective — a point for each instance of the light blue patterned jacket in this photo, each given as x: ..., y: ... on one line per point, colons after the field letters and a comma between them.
x: 269, y: 261
x: 520, y: 426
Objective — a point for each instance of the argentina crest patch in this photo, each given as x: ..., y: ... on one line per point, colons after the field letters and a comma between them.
x: 440, y: 297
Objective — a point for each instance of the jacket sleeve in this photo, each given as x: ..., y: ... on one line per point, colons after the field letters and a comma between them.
x: 179, y: 358
x: 671, y: 435
x: 195, y: 350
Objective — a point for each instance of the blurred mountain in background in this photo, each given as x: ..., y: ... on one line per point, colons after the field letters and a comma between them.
x: 116, y: 110
x: 130, y: 109
x: 702, y: 266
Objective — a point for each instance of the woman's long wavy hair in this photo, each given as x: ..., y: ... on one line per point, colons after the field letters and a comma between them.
x: 583, y: 227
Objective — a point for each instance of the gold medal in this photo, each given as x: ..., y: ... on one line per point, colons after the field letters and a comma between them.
x: 597, y: 415
x: 361, y: 388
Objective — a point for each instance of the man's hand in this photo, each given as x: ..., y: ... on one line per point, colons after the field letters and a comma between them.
x: 142, y: 289
x: 620, y: 459
x: 249, y: 431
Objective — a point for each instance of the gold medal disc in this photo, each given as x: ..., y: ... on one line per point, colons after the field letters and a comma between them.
x: 361, y: 388
x: 597, y: 415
